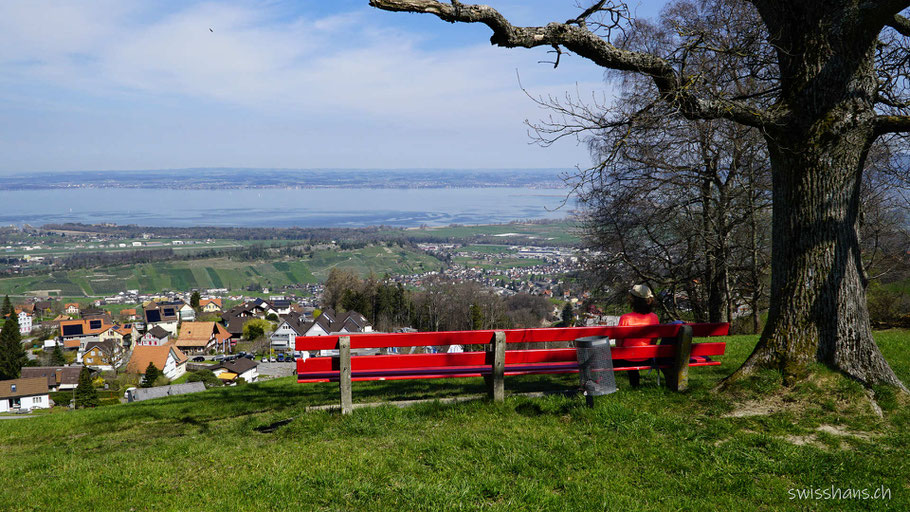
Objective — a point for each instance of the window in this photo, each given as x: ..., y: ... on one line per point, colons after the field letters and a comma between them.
x: 13, y: 388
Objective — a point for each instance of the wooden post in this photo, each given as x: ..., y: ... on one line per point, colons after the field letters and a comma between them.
x: 678, y: 374
x: 344, y: 374
x: 496, y: 357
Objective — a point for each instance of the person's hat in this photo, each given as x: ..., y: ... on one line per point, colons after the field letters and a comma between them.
x: 641, y: 291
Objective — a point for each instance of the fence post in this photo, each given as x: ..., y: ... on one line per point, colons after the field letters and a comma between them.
x: 344, y: 374
x: 678, y: 376
x: 496, y: 357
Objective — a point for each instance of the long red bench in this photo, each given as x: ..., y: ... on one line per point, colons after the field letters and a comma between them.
x: 496, y: 361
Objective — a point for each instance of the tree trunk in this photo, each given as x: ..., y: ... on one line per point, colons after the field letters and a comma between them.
x: 818, y: 301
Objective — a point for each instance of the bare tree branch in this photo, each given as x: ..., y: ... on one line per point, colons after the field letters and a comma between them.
x: 891, y: 124
x: 901, y: 24
x: 674, y: 89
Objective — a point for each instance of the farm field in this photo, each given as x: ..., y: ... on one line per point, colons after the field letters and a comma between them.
x: 217, y: 273
x: 564, y: 232
x: 638, y: 449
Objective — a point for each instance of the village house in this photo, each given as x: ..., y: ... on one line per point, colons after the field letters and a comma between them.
x: 25, y: 322
x: 71, y: 308
x: 75, y: 333
x: 201, y: 337
x: 243, y: 368
x: 101, y: 355
x: 164, y: 315
x: 170, y: 360
x: 123, y: 335
x: 328, y: 322
x: 155, y: 337
x: 291, y: 326
x: 345, y: 323
x: 24, y: 394
x: 211, y: 305
x: 59, y: 378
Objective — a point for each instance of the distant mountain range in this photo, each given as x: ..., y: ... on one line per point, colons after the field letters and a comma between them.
x: 236, y: 178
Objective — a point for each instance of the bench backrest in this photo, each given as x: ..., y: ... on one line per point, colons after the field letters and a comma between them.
x: 542, y: 335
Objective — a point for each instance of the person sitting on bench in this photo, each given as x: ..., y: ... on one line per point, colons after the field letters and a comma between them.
x: 641, y: 300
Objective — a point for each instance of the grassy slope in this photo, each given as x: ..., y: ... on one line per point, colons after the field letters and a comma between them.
x: 644, y: 449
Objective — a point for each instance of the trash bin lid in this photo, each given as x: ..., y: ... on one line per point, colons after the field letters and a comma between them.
x: 591, y: 341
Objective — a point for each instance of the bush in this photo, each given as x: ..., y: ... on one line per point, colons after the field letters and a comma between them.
x: 206, y: 377
x: 887, y: 307
x: 62, y: 398
x: 108, y: 401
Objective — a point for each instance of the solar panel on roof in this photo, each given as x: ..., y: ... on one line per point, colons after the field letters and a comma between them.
x: 94, y: 324
x: 153, y: 315
x: 72, y: 330
x: 169, y: 312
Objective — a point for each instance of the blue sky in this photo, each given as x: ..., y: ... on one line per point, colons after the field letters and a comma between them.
x: 112, y: 84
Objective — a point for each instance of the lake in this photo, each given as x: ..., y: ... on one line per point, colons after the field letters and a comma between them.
x: 330, y: 207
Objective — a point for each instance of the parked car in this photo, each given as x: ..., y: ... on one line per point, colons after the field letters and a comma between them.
x: 280, y: 358
x: 198, y: 359
x: 219, y: 357
x: 289, y: 359
x: 264, y: 360
x: 251, y: 357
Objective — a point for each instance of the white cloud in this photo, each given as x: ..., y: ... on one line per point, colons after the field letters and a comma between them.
x: 345, y: 66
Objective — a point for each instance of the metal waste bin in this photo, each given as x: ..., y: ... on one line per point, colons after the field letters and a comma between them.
x: 595, y: 367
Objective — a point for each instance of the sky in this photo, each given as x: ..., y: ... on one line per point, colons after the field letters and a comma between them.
x: 161, y: 84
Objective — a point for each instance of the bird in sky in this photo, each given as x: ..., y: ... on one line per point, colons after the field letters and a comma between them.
x: 210, y: 29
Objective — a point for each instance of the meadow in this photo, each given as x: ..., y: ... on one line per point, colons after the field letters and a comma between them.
x: 218, y: 273
x: 746, y: 448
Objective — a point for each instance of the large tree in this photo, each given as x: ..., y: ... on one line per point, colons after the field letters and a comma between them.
x: 833, y: 73
x: 12, y: 354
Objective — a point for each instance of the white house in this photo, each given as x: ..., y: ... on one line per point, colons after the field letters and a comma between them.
x: 165, y: 315
x: 24, y: 394
x: 167, y: 358
x: 156, y: 337
x: 25, y: 323
x: 291, y: 326
x: 187, y: 314
x: 243, y: 368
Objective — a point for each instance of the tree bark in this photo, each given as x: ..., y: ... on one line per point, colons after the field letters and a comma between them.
x: 818, y: 301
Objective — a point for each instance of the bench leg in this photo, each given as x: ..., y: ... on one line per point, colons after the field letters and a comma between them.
x: 634, y: 378
x: 496, y: 357
x: 344, y: 374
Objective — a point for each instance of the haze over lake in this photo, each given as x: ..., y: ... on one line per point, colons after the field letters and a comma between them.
x: 331, y: 207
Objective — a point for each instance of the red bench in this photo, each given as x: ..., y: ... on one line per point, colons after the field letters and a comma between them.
x: 496, y: 362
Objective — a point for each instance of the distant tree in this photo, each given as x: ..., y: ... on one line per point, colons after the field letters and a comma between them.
x: 476, y: 317
x: 194, y: 300
x: 151, y: 375
x: 256, y: 328
x: 86, y: 395
x: 12, y: 355
x: 568, y: 315
x: 57, y: 358
x: 336, y: 283
x: 7, y: 307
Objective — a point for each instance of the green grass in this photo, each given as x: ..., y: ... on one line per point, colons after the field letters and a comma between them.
x: 643, y: 449
x: 220, y: 273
